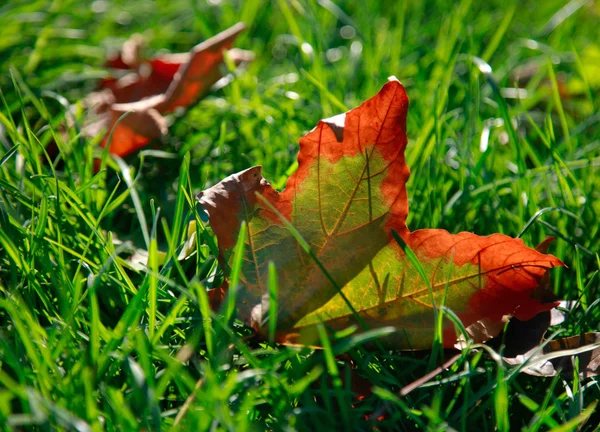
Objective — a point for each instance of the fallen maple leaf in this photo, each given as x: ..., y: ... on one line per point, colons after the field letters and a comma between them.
x: 155, y: 87
x: 346, y: 197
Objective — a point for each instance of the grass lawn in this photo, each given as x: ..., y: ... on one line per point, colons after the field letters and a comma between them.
x: 503, y: 124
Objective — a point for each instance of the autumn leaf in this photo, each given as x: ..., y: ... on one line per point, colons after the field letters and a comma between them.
x: 153, y: 88
x: 343, y: 266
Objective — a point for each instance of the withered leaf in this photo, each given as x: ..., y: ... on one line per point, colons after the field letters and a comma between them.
x: 558, y: 355
x: 154, y: 88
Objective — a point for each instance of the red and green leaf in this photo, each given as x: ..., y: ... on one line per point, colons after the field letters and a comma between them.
x: 346, y: 197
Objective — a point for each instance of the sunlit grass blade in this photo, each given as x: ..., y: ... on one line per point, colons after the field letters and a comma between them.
x: 200, y: 292
x: 137, y: 203
x: 273, y: 301
x: 236, y: 273
x: 334, y: 372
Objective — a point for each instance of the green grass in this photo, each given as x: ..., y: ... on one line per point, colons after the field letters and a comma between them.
x: 89, y: 343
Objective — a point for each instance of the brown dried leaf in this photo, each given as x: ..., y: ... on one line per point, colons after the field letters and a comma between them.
x: 558, y: 356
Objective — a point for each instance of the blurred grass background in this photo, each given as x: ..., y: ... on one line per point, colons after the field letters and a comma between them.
x: 503, y: 124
